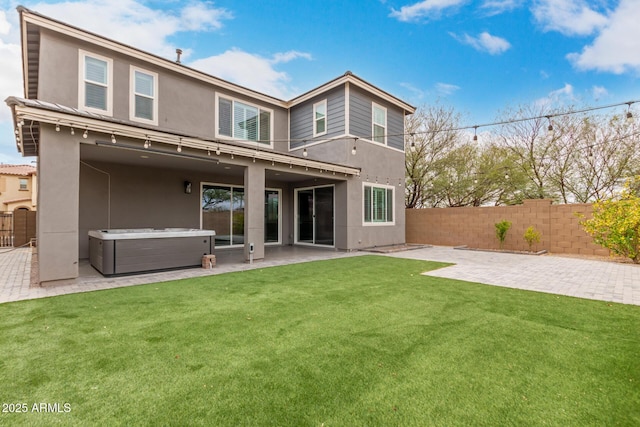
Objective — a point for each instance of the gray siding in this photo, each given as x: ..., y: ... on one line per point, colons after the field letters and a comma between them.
x: 360, y: 120
x: 302, y: 117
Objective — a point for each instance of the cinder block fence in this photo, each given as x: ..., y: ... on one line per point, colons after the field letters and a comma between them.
x: 474, y: 226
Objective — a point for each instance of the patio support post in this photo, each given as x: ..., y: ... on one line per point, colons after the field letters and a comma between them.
x: 254, y: 187
x: 58, y: 205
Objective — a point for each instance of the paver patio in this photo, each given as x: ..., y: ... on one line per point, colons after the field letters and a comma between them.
x: 599, y: 280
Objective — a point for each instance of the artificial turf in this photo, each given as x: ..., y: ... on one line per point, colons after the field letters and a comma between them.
x: 357, y: 341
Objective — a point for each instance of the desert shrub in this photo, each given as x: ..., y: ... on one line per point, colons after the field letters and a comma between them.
x: 501, y: 230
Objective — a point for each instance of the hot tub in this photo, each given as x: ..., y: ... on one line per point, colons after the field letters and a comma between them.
x: 128, y: 251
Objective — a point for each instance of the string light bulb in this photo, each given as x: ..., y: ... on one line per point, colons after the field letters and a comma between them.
x: 218, y: 150
x: 304, y: 152
x: 550, y: 127
x: 58, y: 127
x: 629, y: 113
x: 413, y: 139
x: 475, y: 133
x: 85, y: 134
x: 72, y: 131
x: 179, y: 149
x: 113, y: 138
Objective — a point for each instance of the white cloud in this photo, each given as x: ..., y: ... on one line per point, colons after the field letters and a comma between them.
x: 569, y: 17
x: 557, y: 97
x: 290, y: 56
x: 250, y: 70
x: 424, y: 10
x: 133, y: 23
x: 10, y: 62
x: 496, y: 7
x: 417, y: 93
x: 599, y: 92
x: 446, y: 88
x: 485, y: 42
x: 616, y: 49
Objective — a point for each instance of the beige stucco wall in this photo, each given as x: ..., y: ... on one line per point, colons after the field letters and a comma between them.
x: 10, y: 191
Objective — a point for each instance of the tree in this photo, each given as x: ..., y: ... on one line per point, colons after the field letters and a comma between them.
x: 615, y: 225
x: 532, y: 144
x: 431, y: 136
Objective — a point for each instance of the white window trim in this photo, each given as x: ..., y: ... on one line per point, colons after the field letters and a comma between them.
x: 379, y: 224
x: 132, y: 96
x: 244, y: 141
x: 279, y: 242
x: 386, y: 126
x: 82, y: 54
x: 315, y: 121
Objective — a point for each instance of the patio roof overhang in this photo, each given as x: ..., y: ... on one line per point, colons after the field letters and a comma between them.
x: 28, y: 114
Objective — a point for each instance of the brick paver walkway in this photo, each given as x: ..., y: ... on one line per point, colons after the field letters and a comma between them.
x: 607, y: 281
x: 600, y: 280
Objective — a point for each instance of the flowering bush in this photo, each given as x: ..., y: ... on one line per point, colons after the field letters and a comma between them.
x: 616, y: 225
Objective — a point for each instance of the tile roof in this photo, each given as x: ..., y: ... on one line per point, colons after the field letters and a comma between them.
x: 22, y: 170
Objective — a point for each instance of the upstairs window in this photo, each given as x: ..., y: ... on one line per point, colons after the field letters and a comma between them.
x: 96, y: 89
x: 24, y: 184
x: 378, y: 204
x: 379, y: 124
x: 320, y: 118
x: 243, y: 121
x: 143, y: 105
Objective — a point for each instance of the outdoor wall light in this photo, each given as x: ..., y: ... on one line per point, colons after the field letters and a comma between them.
x: 187, y: 187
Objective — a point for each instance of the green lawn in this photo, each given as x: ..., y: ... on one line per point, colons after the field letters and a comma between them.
x: 357, y: 341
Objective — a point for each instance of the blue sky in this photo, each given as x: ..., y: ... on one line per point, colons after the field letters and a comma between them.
x: 479, y: 57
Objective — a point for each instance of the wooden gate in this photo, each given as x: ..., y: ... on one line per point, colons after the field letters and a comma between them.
x: 6, y: 229
x: 24, y: 227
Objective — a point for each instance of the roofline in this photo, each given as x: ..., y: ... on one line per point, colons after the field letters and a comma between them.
x: 29, y: 16
x: 43, y: 114
x: 351, y: 78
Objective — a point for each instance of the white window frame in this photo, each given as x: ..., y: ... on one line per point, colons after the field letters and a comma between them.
x: 234, y: 187
x: 315, y: 120
x: 24, y: 181
x: 132, y: 98
x: 393, y: 205
x: 373, y: 123
x: 83, y: 54
x: 242, y: 101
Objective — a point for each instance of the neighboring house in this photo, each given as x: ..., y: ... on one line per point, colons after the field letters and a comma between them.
x: 126, y: 139
x: 18, y: 187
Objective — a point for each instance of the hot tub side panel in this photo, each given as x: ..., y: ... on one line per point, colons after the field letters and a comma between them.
x: 138, y: 255
x: 101, y: 255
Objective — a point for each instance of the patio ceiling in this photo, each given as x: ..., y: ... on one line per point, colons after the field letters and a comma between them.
x: 130, y: 156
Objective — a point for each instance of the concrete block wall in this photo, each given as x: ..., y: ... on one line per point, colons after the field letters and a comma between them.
x: 474, y: 226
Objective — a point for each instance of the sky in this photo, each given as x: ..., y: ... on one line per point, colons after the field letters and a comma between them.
x: 482, y: 58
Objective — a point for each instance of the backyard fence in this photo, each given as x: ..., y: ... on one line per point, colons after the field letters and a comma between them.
x: 6, y: 229
x: 17, y: 228
x: 474, y: 227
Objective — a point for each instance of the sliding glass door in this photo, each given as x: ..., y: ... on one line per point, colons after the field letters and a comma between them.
x: 315, y: 216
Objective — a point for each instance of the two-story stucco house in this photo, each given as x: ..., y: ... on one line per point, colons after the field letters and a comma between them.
x: 18, y: 187
x: 126, y: 139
